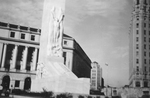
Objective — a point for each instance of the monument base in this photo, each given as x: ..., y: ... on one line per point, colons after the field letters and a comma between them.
x: 56, y: 77
x: 61, y: 84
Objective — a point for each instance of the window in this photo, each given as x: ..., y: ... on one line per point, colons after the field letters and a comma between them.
x: 65, y: 42
x: 137, y: 73
x: 18, y: 66
x: 149, y: 39
x: 144, y: 39
x: 137, y: 61
x: 138, y: 2
x: 137, y: 32
x: 12, y: 34
x: 145, y: 2
x: 28, y: 67
x: 145, y: 84
x: 144, y: 61
x: 32, y: 37
x: 145, y: 68
x: 93, y: 70
x: 64, y: 55
x: 137, y: 39
x: 137, y: 68
x: 17, y: 83
x: 144, y: 46
x: 144, y: 53
x: 144, y: 24
x: 137, y: 25
x: 137, y: 53
x: 144, y: 32
x: 144, y: 8
x: 137, y: 84
x: 22, y: 36
x: 137, y: 46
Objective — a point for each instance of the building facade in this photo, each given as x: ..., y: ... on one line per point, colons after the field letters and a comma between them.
x: 96, y: 76
x: 75, y: 58
x: 19, y: 50
x: 139, y: 45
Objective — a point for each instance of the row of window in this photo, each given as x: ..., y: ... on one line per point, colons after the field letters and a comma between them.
x: 145, y: 61
x: 144, y: 2
x: 142, y: 8
x: 137, y: 46
x: 22, y: 36
x: 137, y: 53
x: 138, y: 84
x: 137, y: 39
x: 137, y: 32
x: 145, y: 17
x: 137, y: 68
x: 137, y: 24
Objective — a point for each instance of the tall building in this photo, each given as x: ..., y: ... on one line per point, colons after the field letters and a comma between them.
x: 139, y: 45
x: 19, y: 49
x: 96, y: 76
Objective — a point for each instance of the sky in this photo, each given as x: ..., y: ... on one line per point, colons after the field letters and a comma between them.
x: 101, y: 27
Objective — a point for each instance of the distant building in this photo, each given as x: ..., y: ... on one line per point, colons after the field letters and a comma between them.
x: 97, y: 81
x: 75, y: 58
x: 19, y: 50
x: 139, y: 47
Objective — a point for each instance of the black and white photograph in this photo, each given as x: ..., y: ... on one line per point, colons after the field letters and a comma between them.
x: 74, y: 48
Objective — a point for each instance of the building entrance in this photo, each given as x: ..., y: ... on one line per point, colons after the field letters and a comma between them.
x: 27, y: 83
x: 6, y: 82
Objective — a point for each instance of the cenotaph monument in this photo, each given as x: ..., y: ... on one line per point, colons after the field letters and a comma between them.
x: 52, y: 74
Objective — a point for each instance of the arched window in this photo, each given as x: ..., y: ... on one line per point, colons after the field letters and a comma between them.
x: 27, y: 83
x: 6, y: 82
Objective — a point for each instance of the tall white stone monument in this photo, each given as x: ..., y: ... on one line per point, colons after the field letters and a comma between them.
x: 52, y: 74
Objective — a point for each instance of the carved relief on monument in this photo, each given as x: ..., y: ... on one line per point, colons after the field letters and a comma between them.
x: 54, y: 47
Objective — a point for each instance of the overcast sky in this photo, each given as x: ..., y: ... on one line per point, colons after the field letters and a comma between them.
x: 101, y: 28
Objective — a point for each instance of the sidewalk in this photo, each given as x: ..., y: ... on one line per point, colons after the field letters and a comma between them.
x: 20, y: 96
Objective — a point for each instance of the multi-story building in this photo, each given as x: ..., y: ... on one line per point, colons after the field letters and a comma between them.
x: 96, y: 76
x: 19, y: 50
x: 75, y: 58
x: 139, y: 46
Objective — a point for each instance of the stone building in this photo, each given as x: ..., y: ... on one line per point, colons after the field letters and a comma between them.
x: 19, y: 49
x: 96, y: 76
x: 139, y: 46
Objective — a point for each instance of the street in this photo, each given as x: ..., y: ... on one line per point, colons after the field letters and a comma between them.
x: 18, y: 96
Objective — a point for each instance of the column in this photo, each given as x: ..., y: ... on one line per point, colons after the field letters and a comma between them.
x: 4, y: 55
x: 25, y: 52
x: 14, y: 56
x: 34, y: 62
